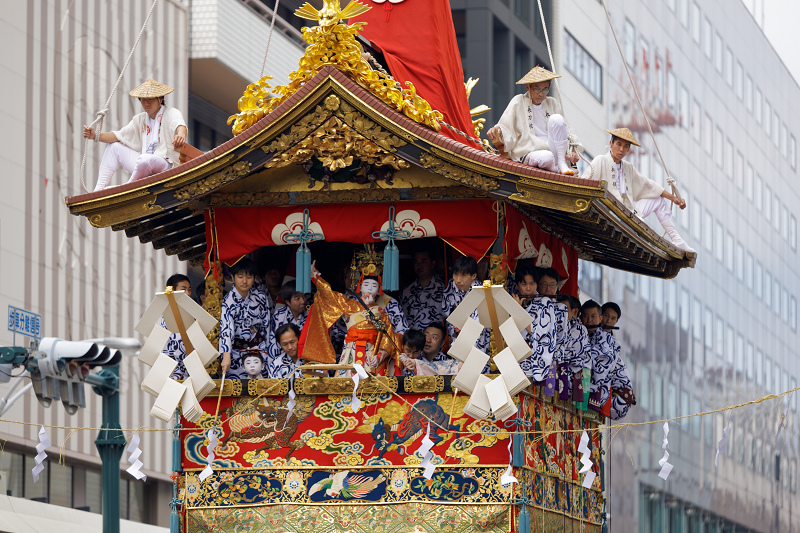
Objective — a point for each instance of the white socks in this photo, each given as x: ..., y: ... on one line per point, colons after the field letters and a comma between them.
x: 675, y: 237
x: 103, y: 178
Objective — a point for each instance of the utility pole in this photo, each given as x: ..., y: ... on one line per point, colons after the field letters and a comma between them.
x: 110, y: 443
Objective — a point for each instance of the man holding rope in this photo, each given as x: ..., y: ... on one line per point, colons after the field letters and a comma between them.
x: 149, y: 143
x: 639, y: 194
x: 532, y: 129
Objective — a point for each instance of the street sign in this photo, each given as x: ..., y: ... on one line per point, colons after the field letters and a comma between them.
x: 24, y: 322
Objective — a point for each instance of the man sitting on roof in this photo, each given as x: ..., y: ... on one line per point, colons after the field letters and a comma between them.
x: 532, y: 129
x: 148, y: 144
x: 639, y: 194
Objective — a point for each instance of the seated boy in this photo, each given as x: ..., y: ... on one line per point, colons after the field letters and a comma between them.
x: 434, y: 362
x: 174, y: 347
x: 295, y: 309
x: 541, y: 335
x: 413, y: 344
x: 465, y: 274
x: 574, y: 356
x: 622, y: 396
x: 245, y: 322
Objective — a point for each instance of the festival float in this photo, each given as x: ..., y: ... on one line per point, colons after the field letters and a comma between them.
x: 345, y: 155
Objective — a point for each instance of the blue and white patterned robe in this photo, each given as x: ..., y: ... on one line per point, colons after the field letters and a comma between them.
x: 618, y: 378
x: 175, y: 349
x: 603, y: 350
x: 246, y: 318
x: 451, y: 298
x: 562, y: 325
x: 541, y: 339
x: 423, y: 305
x: 284, y: 315
x: 576, y: 347
x: 282, y: 366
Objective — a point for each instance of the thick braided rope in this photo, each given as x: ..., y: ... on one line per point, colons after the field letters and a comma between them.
x: 269, y: 39
x: 673, y: 184
x: 104, y: 111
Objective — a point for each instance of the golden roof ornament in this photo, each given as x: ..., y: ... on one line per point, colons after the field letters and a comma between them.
x: 332, y: 43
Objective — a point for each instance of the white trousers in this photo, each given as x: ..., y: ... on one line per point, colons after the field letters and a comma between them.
x: 139, y: 165
x: 556, y: 140
x: 659, y: 206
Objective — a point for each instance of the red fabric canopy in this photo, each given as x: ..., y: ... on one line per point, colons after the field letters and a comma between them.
x: 469, y: 226
x: 525, y: 240
x: 418, y: 41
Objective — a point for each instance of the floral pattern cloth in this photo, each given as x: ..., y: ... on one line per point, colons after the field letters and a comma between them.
x: 246, y: 319
x: 423, y: 305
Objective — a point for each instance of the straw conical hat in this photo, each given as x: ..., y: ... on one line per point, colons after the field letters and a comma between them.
x: 624, y: 134
x: 151, y: 89
x: 537, y: 74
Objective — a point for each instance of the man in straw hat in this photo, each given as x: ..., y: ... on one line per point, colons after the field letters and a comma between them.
x: 640, y: 194
x: 532, y: 129
x: 148, y: 144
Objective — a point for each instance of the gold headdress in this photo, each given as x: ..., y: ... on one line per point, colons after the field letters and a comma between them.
x: 366, y: 263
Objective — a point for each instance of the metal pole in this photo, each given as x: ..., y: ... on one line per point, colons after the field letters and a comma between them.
x: 110, y: 443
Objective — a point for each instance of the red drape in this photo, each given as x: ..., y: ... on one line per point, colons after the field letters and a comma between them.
x: 469, y: 226
x: 418, y: 40
x: 525, y: 240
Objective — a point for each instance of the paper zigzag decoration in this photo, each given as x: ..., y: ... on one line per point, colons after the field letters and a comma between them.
x: 175, y: 312
x: 496, y: 309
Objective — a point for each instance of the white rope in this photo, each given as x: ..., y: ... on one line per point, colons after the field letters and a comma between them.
x: 673, y: 184
x: 269, y: 39
x: 104, y: 111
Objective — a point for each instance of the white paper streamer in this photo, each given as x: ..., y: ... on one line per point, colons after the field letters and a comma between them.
x: 722, y: 440
x: 666, y: 467
x: 782, y: 422
x: 425, y: 451
x: 586, y: 461
x: 358, y: 375
x: 507, y: 476
x: 212, y: 445
x: 44, y: 443
x: 136, y: 465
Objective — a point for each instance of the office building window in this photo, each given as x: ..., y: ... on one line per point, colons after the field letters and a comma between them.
x: 644, y: 288
x: 580, y: 63
x: 672, y: 5
x: 644, y: 383
x: 739, y: 364
x: 683, y: 216
x: 695, y: 22
x: 522, y: 9
x: 719, y: 242
x: 739, y: 261
x: 776, y: 379
x: 748, y: 181
x: 793, y: 152
x: 672, y: 92
x: 767, y: 373
x: 768, y: 289
x: 759, y: 367
x: 793, y: 385
x: 661, y: 90
x: 768, y: 203
x: 707, y: 36
x: 697, y: 319
x: 729, y: 251
x: 748, y: 271
x: 776, y: 297
x: 695, y: 120
x: 658, y: 394
x: 696, y: 215
x: 718, y: 52
x: 683, y: 107
x: 708, y: 324
x: 793, y: 313
x: 729, y: 67
x: 719, y: 335
x: 644, y: 68
x: 738, y: 80
x: 629, y: 40
x: 785, y: 305
x: 729, y: 345
x: 708, y: 231
x: 776, y: 213
x: 738, y: 169
x: 785, y: 223
x: 683, y: 12
x: 767, y: 118
x: 684, y: 310
x: 658, y: 294
x: 759, y: 193
x: 759, y: 280
x: 672, y: 401
x: 748, y: 93
x: 776, y: 126
x: 784, y: 141
x: 758, y: 104
x: 793, y: 232
x: 719, y: 144
x: 708, y: 133
x: 728, y: 164
x: 672, y: 300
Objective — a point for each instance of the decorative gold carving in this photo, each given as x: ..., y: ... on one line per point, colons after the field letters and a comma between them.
x: 125, y: 213
x: 421, y: 384
x: 319, y: 386
x: 298, y: 131
x: 566, y: 197
x: 483, y: 170
x: 268, y: 387
x: 456, y: 173
x: 332, y: 102
x: 232, y: 387
x: 498, y: 269
x: 214, y: 181
x: 335, y: 45
x: 336, y: 145
x: 213, y: 303
x: 368, y: 128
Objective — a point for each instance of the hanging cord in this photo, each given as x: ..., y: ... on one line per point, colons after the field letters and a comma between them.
x: 269, y: 39
x: 672, y: 183
x: 104, y: 111
x: 572, y: 140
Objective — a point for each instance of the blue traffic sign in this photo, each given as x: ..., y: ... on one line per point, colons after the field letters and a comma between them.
x: 24, y: 322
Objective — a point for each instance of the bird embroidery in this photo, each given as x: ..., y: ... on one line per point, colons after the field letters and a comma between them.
x: 346, y: 486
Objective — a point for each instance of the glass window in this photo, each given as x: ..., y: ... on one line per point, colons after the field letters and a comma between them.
x: 708, y: 231
x: 729, y: 345
x: 785, y: 223
x: 718, y: 52
x: 683, y: 216
x: 776, y: 125
x: 728, y: 166
x: 748, y: 93
x: 708, y: 325
x: 759, y: 367
x: 785, y: 305
x: 767, y: 374
x: 738, y: 168
x: 672, y: 92
x: 695, y: 120
x: 749, y: 361
x: 697, y: 319
x: 776, y: 376
x: 768, y: 289
x: 658, y: 394
x: 739, y: 261
x: 683, y: 12
x: 93, y: 496
x: 630, y: 43
x: 729, y: 66
x: 759, y: 280
x: 580, y: 63
x: 644, y: 384
x: 684, y: 310
x: 672, y: 300
x: 793, y: 385
x: 738, y: 80
x: 644, y: 288
x: 759, y: 193
x: 767, y: 118
x: 729, y: 251
x: 12, y: 464
x: 658, y: 294
x: 758, y: 110
x: 739, y: 364
x: 776, y: 296
x: 708, y: 133
x: 644, y: 69
x: 707, y: 48
x: 776, y: 213
x: 793, y: 152
x: 683, y: 107
x: 696, y: 214
x: 784, y: 143
x: 768, y: 203
x: 60, y: 485
x: 748, y: 270
x: 672, y: 401
x: 748, y: 181
x: 719, y: 239
x: 793, y: 232
x: 719, y: 143
x: 36, y: 490
x: 793, y: 313
x: 719, y: 336
x: 661, y: 90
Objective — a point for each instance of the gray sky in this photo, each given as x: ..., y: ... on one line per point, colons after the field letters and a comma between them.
x: 779, y: 20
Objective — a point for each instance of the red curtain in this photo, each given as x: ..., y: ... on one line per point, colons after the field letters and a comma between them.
x: 418, y: 40
x: 525, y: 240
x: 469, y: 226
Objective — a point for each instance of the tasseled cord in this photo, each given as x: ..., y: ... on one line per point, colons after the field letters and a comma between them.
x: 391, y: 255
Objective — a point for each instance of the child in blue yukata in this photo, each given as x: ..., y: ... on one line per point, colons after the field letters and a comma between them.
x: 541, y: 335
x: 413, y: 344
x: 174, y: 347
x: 575, y: 354
x: 465, y: 274
x: 295, y: 309
x: 622, y: 396
x: 245, y: 323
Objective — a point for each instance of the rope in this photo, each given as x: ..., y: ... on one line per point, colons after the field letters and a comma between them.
x: 673, y: 184
x: 269, y: 39
x: 104, y: 111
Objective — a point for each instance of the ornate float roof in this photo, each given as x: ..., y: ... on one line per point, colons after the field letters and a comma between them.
x: 333, y: 118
